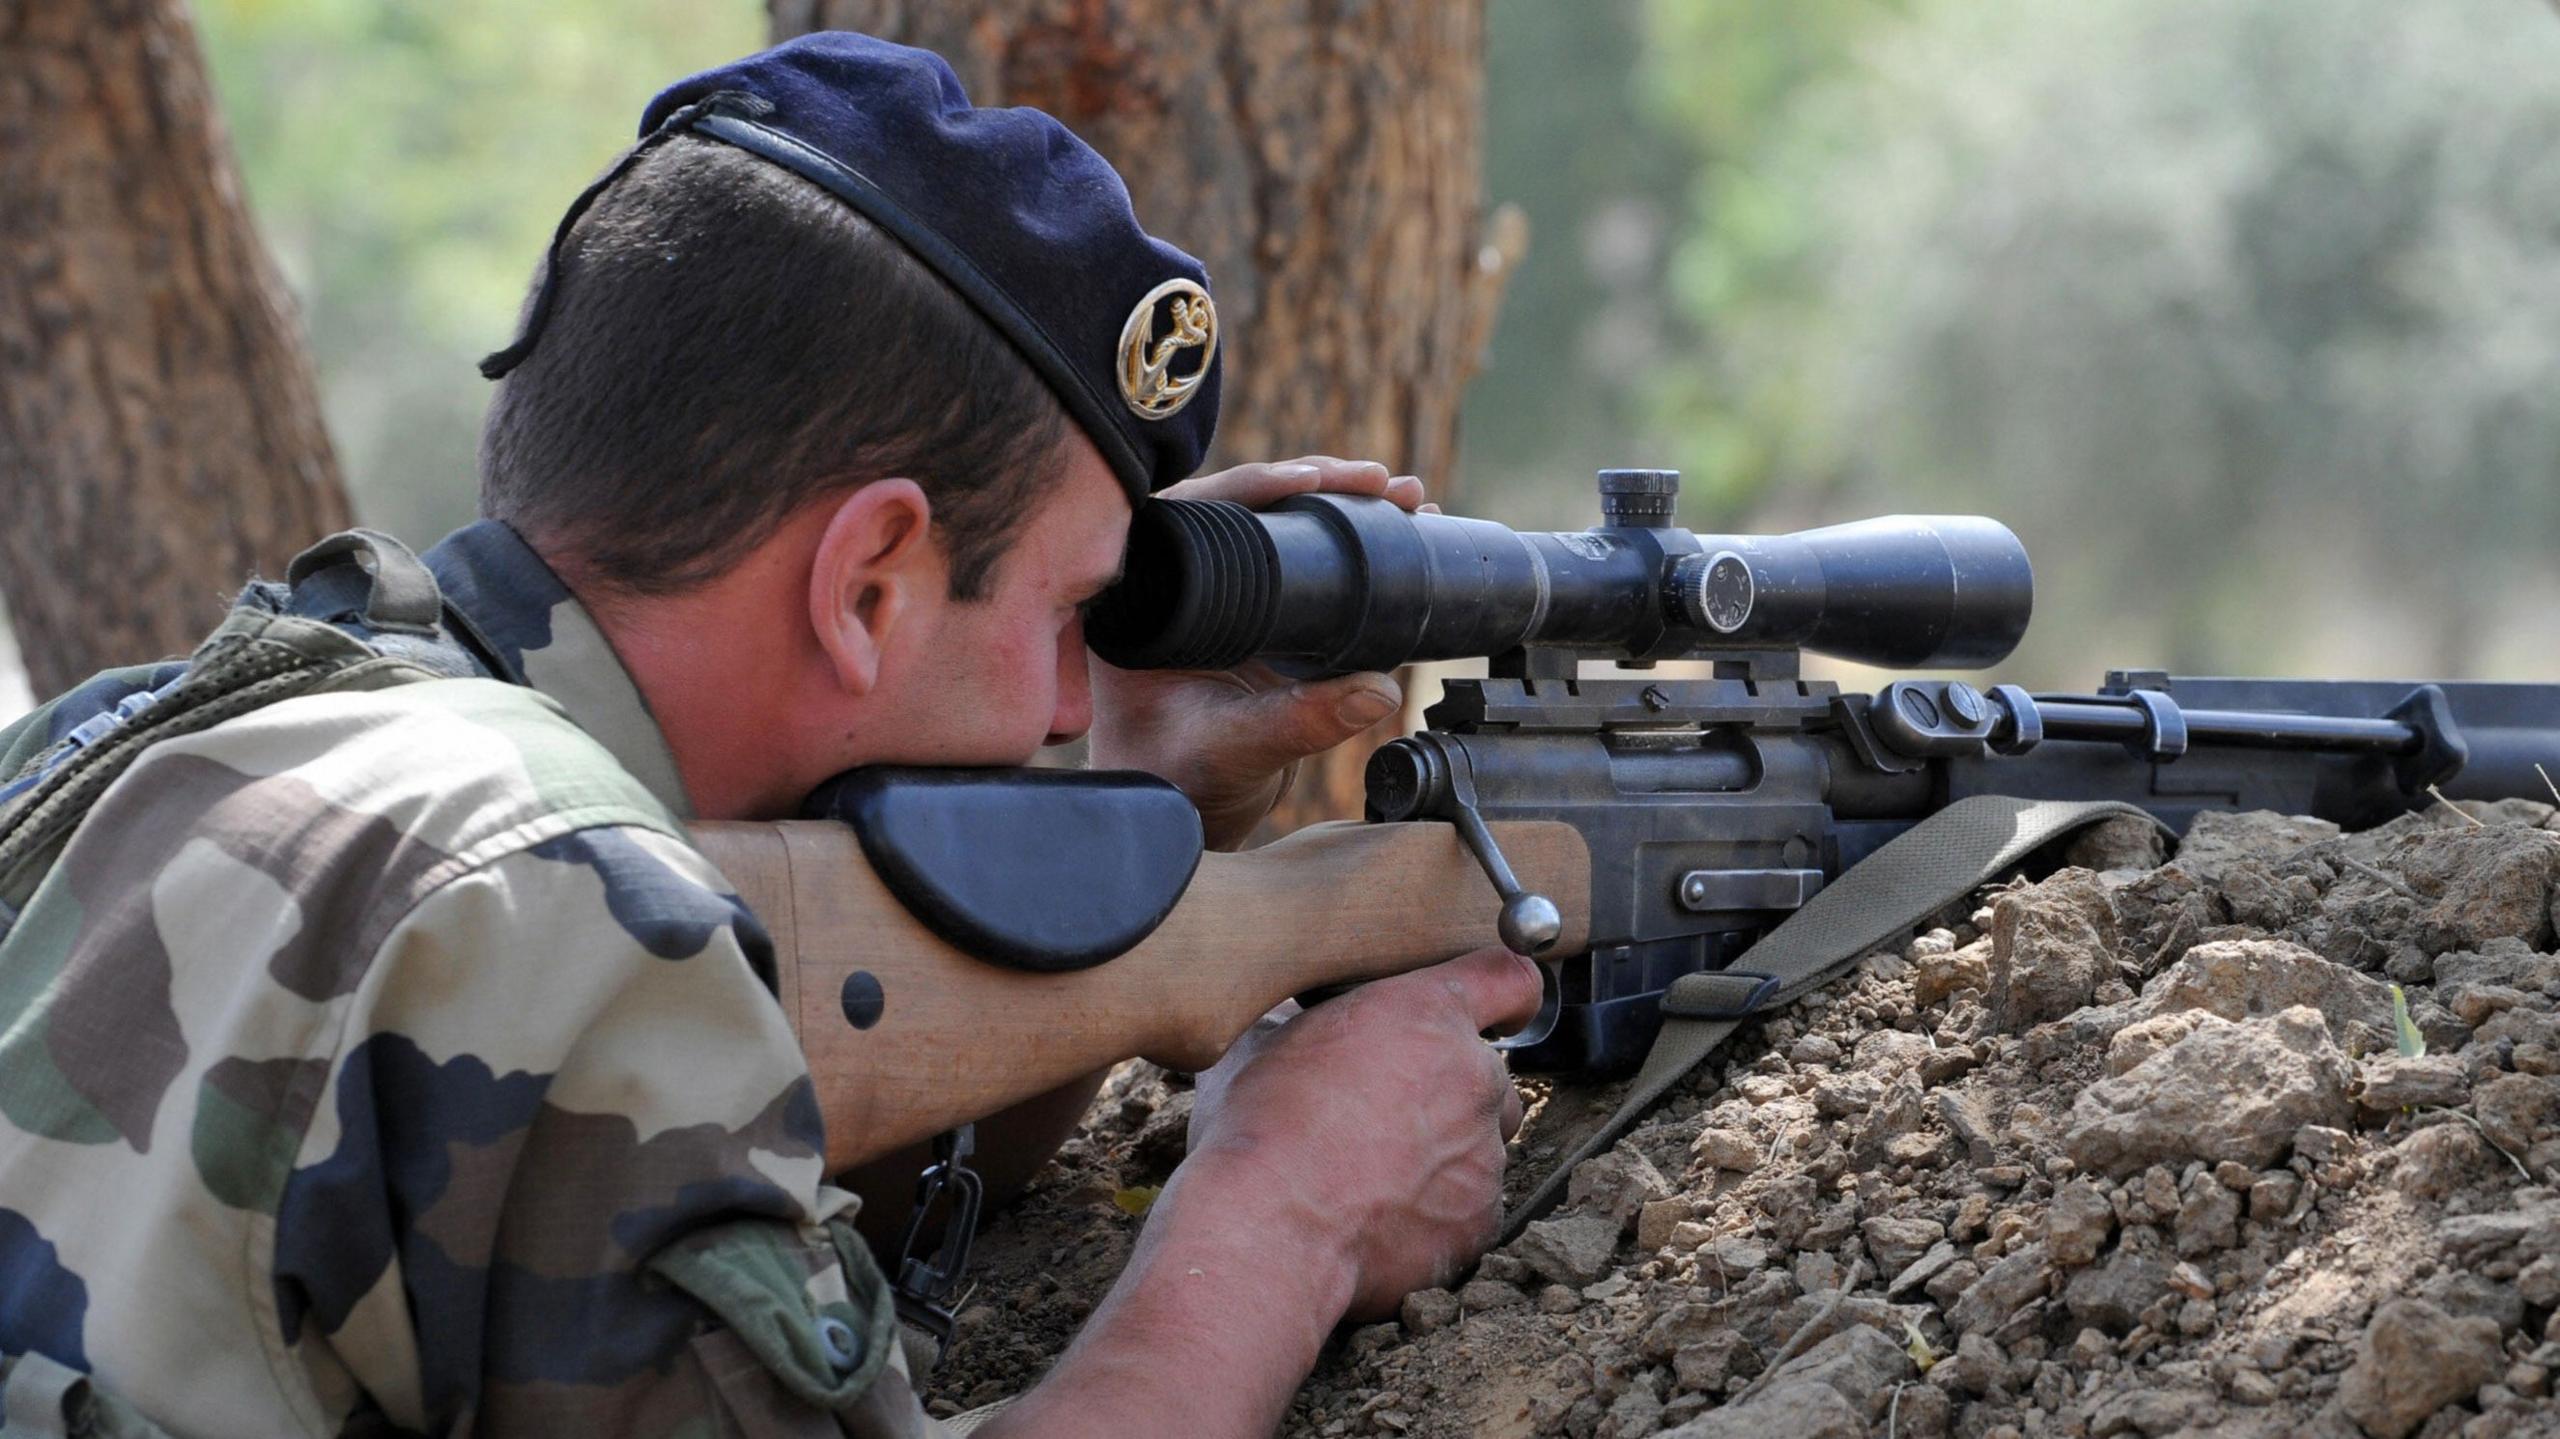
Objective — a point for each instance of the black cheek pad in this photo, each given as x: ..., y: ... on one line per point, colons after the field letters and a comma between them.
x: 1038, y: 869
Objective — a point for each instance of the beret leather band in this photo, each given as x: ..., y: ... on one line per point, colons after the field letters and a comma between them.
x: 1030, y: 225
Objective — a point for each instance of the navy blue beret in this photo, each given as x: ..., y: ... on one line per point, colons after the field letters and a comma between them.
x: 1022, y: 218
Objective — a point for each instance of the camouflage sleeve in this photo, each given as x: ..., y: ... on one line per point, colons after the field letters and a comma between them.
x: 565, y: 1172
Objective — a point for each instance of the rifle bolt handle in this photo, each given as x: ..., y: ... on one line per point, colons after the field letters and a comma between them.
x: 1530, y: 924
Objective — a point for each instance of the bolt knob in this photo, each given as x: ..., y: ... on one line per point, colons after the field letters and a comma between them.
x: 1530, y: 924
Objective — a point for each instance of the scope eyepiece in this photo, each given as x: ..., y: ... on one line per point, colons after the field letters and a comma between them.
x: 1327, y: 584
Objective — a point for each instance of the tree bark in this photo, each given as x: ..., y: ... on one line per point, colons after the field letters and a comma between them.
x: 160, y: 430
x: 1323, y: 159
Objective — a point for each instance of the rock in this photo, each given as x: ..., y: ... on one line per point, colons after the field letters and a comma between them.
x: 2215, y: 840
x: 1963, y: 1116
x: 1936, y: 975
x: 1891, y: 1052
x: 1814, y: 1049
x: 1847, y: 1096
x: 1859, y: 1364
x: 2112, y: 1296
x: 2323, y: 1143
x: 2539, y: 1282
x: 1781, y: 1411
x: 2208, y: 1219
x: 2245, y: 978
x: 1921, y: 1412
x: 1679, y: 1326
x: 2388, y: 1085
x: 1897, y: 1242
x: 2438, y: 1160
x: 2004, y: 1289
x: 2227, y: 1091
x: 2078, y: 1224
x: 2413, y: 1360
x: 2459, y: 1293
x: 2492, y: 883
x: 2153, y: 1411
x: 1556, y: 1299
x: 1573, y: 1250
x: 2143, y: 1038
x: 2515, y: 1108
x: 2500, y: 964
x: 1480, y: 1294
x: 1949, y: 1062
x: 1726, y: 1149
x: 1708, y: 1365
x: 2273, y: 1196
x: 2532, y: 1227
x: 1655, y: 1222
x: 1618, y: 1184
x: 2051, y: 944
x: 1637, y: 1412
x: 1895, y: 1115
x: 1976, y: 1367
x: 1921, y: 1270
x: 2124, y: 842
x: 1428, y: 1311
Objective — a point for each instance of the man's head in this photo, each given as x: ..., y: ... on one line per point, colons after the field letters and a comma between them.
x: 831, y: 405
x: 728, y: 344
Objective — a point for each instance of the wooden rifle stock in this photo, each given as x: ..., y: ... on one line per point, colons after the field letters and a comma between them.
x: 957, y: 1039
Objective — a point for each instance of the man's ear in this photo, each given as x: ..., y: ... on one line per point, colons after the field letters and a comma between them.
x: 875, y: 562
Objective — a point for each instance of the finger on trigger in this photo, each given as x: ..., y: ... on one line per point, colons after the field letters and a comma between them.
x: 1501, y: 990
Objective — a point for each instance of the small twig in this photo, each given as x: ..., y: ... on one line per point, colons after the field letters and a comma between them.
x: 2523, y: 1173
x: 2467, y: 816
x: 1893, y: 1412
x: 2380, y: 877
x: 2547, y: 784
x: 1804, y: 1334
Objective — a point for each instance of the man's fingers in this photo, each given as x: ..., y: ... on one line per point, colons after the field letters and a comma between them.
x: 1299, y: 720
x: 1260, y: 485
x: 1405, y: 490
x: 1498, y: 989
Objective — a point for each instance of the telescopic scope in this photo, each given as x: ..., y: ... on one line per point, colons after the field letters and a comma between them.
x: 1327, y: 584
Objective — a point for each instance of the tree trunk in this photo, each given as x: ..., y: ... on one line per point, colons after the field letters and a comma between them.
x: 160, y: 432
x: 1322, y: 159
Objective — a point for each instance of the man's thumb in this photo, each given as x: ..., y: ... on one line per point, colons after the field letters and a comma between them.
x: 1315, y: 715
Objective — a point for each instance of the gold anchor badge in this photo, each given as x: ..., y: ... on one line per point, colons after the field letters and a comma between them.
x: 1147, y: 380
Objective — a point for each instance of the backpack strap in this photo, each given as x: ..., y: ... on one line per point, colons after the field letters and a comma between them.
x: 1932, y: 864
x: 360, y: 611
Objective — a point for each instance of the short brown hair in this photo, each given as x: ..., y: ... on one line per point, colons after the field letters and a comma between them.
x: 727, y: 343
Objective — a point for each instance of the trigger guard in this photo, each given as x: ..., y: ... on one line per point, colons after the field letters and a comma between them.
x: 1543, y: 1023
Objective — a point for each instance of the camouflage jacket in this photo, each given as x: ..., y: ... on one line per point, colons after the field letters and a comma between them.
x: 386, y: 1061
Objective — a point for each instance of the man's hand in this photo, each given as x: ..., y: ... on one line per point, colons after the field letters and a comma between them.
x: 1378, y: 1118
x: 1339, y: 1160
x: 1230, y: 739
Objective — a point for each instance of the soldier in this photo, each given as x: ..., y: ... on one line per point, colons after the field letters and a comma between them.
x: 375, y: 1055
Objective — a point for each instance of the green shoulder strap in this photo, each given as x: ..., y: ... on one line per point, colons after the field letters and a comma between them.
x: 1926, y: 867
x: 260, y: 655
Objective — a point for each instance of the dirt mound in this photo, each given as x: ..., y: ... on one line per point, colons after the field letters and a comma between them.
x: 2133, y: 1150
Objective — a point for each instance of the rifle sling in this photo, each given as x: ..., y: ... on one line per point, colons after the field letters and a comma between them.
x: 1933, y: 863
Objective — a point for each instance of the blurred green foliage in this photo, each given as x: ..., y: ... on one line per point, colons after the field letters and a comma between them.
x: 407, y: 163
x: 2244, y: 313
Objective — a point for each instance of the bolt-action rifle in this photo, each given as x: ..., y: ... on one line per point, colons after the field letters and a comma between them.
x: 955, y: 941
